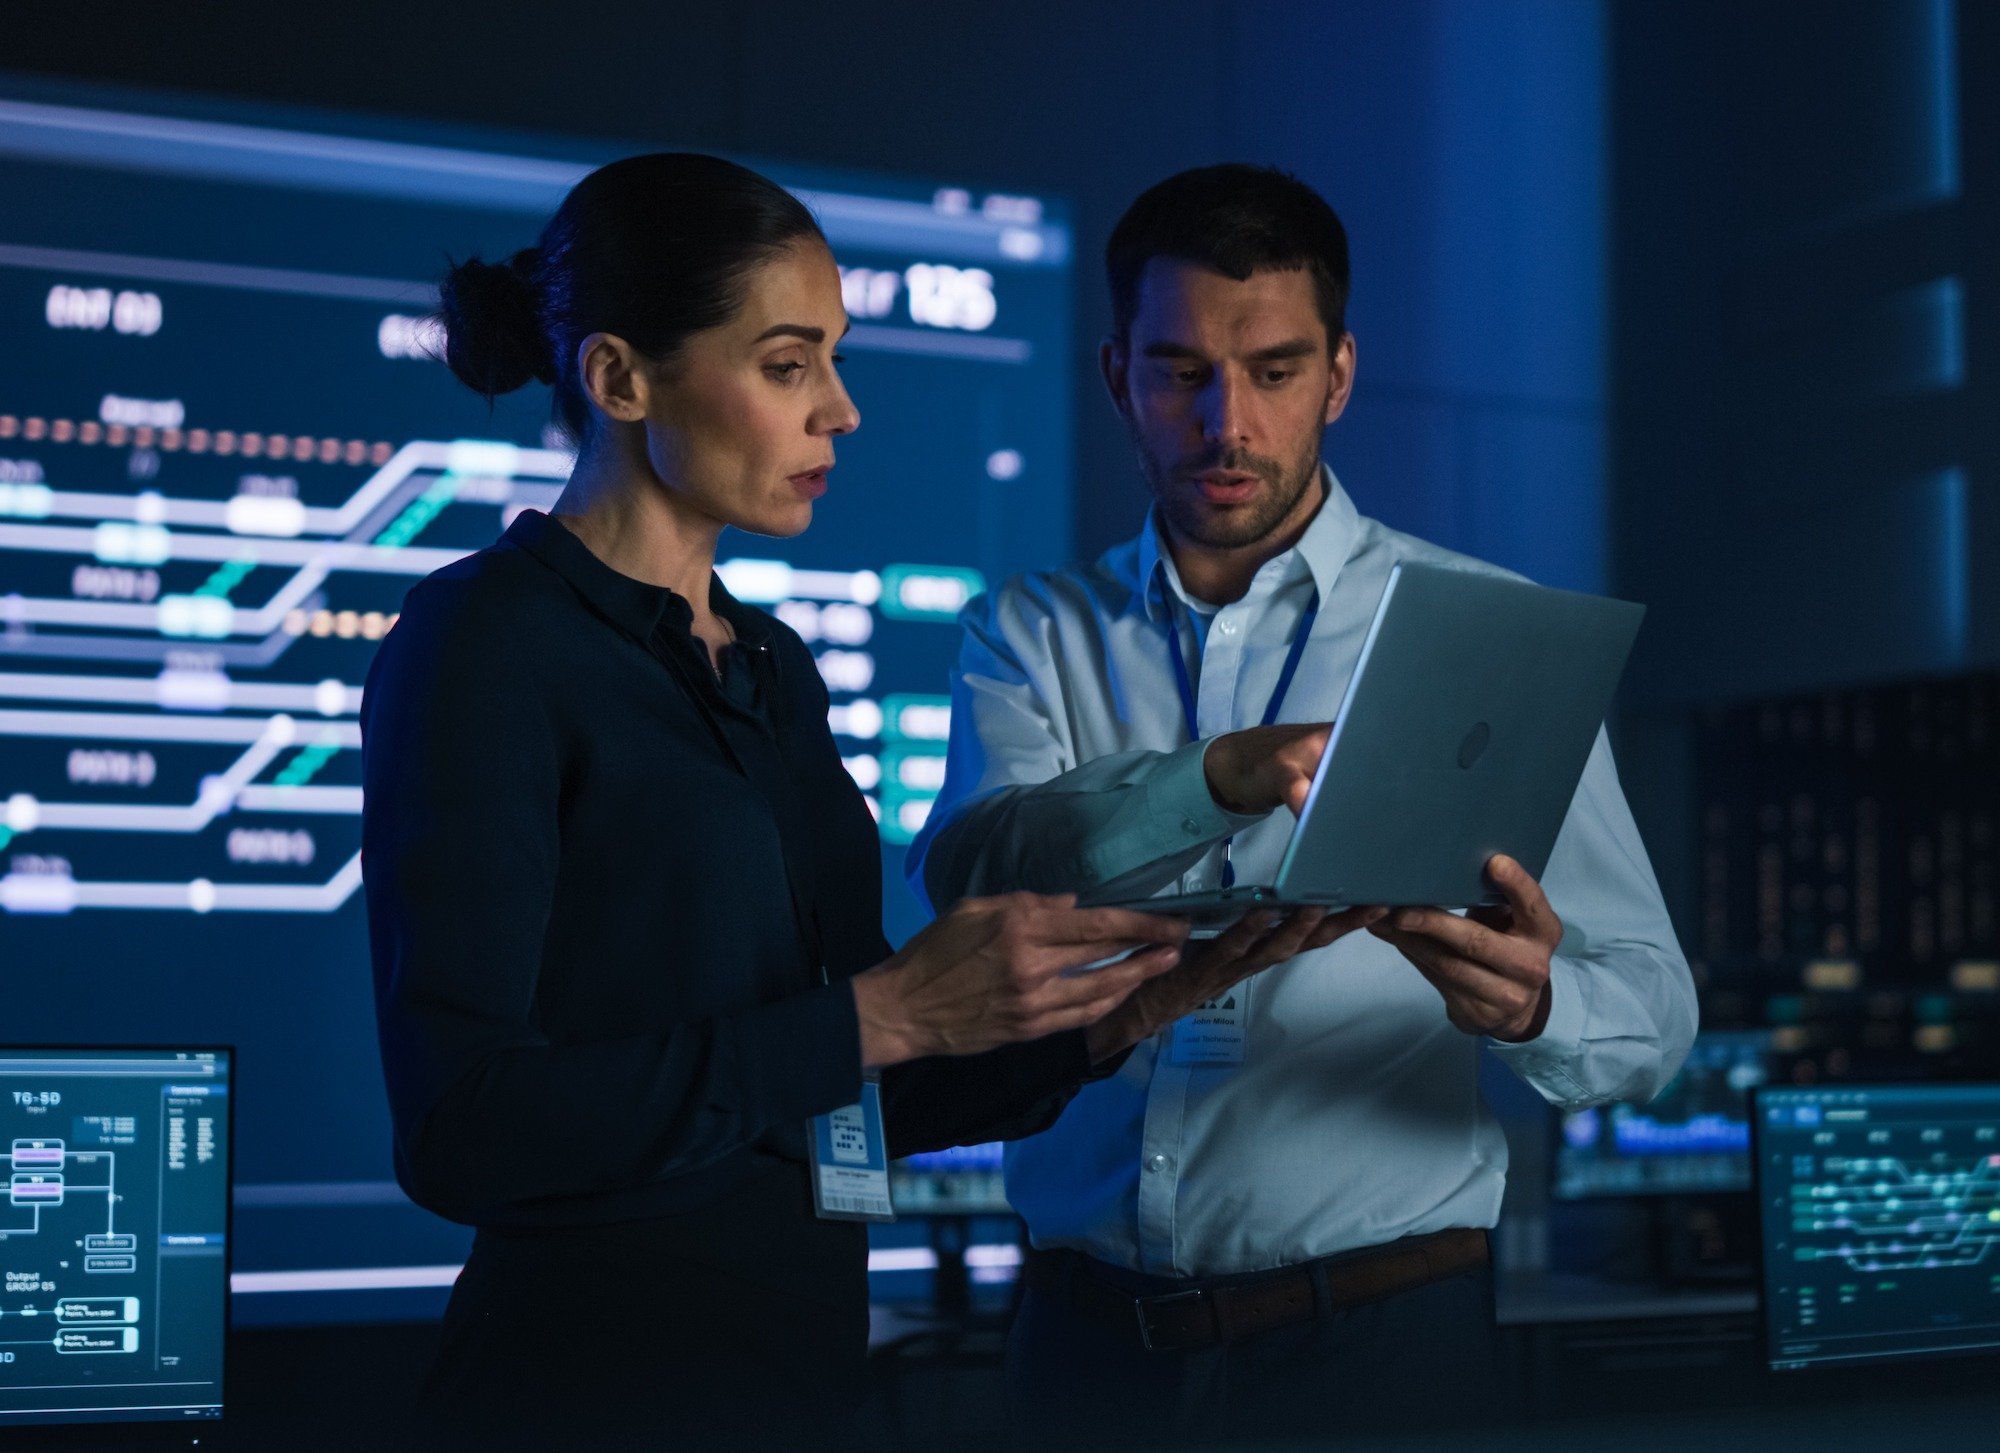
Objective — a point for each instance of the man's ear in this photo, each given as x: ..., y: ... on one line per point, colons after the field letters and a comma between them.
x: 614, y: 377
x: 1114, y: 364
x: 1340, y: 378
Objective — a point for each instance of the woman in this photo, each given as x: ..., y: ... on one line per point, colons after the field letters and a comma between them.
x: 624, y: 900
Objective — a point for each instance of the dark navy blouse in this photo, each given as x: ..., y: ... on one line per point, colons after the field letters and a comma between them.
x: 612, y: 900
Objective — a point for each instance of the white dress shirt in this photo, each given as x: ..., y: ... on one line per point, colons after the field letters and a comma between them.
x: 1355, y: 1116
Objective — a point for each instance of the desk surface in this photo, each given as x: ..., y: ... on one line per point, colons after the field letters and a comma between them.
x: 1526, y: 1299
x: 1523, y: 1299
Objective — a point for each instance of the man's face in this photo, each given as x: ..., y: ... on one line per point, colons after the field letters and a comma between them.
x: 1227, y: 387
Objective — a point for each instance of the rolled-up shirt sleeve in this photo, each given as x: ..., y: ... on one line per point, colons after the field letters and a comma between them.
x: 1621, y: 999
x: 1018, y: 811
x: 460, y: 854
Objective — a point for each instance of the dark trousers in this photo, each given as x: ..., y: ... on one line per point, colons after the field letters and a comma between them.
x: 1420, y: 1359
x: 743, y: 1327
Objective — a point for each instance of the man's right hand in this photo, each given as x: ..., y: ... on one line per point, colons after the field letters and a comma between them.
x: 1260, y: 768
x: 996, y: 971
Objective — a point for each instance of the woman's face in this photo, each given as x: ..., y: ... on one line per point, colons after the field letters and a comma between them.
x: 740, y: 425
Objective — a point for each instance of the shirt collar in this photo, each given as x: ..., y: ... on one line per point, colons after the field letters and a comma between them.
x: 634, y: 606
x: 1325, y: 546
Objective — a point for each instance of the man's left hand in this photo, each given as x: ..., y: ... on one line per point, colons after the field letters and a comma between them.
x: 1492, y: 965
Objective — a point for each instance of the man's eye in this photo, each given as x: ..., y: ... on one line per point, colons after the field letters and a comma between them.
x: 1277, y: 375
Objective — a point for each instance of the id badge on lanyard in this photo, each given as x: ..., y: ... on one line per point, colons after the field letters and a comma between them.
x: 850, y: 1161
x: 1216, y: 1032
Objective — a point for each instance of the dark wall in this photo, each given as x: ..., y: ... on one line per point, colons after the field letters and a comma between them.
x: 1803, y: 354
x: 1791, y: 359
x: 1464, y: 144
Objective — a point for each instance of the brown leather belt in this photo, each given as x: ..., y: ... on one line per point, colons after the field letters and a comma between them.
x: 1219, y: 1311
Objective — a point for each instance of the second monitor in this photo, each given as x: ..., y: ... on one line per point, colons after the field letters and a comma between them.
x: 1880, y: 1216
x: 1692, y: 1138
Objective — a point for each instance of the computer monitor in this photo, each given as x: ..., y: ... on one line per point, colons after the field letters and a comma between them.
x: 1879, y: 1214
x: 1693, y: 1137
x: 965, y: 1180
x: 114, y: 1239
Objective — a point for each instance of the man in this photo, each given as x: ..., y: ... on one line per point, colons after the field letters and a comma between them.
x: 1276, y: 1226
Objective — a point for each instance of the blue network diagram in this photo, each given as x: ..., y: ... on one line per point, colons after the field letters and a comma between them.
x: 228, y: 448
x: 1880, y: 1215
x: 113, y: 1234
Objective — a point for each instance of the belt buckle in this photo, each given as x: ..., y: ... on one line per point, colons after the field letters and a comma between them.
x: 1144, y: 1305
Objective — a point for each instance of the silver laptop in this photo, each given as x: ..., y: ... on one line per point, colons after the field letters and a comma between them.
x: 1463, y: 733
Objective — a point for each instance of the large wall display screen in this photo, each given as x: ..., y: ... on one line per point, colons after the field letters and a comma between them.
x: 227, y: 449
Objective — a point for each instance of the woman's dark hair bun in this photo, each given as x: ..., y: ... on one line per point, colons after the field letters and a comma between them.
x: 651, y: 249
x: 494, y: 340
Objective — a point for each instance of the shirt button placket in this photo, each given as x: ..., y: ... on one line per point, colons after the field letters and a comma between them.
x: 1159, y: 1146
x: 1221, y: 670
x: 1221, y: 667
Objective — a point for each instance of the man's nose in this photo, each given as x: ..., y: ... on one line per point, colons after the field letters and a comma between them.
x: 1225, y: 413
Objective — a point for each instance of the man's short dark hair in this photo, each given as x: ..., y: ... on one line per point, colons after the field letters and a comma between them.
x: 1236, y: 219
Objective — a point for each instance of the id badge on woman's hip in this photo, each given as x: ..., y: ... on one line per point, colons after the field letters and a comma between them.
x: 850, y: 1161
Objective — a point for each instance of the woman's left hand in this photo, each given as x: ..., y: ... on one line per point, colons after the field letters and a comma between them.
x: 1211, y: 967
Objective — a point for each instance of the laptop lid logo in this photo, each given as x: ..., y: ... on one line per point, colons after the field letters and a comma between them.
x: 1474, y: 746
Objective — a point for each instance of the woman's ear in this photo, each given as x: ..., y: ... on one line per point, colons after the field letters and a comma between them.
x: 614, y: 377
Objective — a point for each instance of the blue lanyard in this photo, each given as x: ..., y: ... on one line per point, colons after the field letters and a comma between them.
x: 1276, y: 704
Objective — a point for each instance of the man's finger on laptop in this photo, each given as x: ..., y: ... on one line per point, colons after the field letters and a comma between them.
x: 1474, y: 940
x: 1336, y: 926
x: 1524, y: 894
x: 1297, y: 927
x: 1473, y: 985
x: 1516, y: 970
x: 1242, y: 935
x: 1286, y: 940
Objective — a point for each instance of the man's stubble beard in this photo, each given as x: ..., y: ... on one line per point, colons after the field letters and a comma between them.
x: 1274, y: 507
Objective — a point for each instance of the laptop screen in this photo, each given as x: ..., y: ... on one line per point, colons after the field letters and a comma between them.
x: 114, y: 1252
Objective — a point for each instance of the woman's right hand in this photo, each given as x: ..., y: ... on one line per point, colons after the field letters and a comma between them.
x: 995, y: 971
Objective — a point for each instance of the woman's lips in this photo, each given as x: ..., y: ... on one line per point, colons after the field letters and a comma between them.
x: 811, y: 484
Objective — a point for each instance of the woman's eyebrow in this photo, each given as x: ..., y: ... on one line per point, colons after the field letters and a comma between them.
x: 792, y: 330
